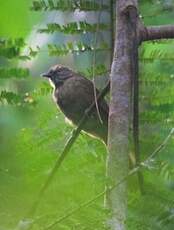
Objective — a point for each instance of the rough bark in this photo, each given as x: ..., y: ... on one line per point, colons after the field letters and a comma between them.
x: 119, y: 115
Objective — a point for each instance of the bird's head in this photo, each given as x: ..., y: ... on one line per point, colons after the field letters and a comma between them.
x: 58, y: 74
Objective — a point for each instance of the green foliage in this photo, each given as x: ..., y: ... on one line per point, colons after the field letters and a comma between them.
x: 11, y: 48
x: 74, y: 27
x: 14, y: 73
x: 33, y: 132
x: 155, y: 12
x: 16, y: 99
x: 98, y: 70
x: 67, y: 5
x: 61, y: 50
x: 27, y: 99
x: 10, y: 97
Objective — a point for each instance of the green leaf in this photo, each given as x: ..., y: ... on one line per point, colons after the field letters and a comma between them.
x: 14, y: 73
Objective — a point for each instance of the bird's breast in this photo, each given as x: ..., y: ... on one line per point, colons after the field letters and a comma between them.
x: 67, y: 103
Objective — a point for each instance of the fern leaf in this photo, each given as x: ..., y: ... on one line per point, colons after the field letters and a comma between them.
x: 74, y: 28
x: 67, y: 5
x: 62, y: 50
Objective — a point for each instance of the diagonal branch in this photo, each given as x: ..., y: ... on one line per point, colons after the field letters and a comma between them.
x: 131, y: 172
x: 65, y: 151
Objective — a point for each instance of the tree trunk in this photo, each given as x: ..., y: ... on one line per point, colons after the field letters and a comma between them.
x: 119, y: 115
x: 130, y: 32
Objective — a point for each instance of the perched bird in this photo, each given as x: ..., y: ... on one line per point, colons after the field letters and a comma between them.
x: 74, y: 93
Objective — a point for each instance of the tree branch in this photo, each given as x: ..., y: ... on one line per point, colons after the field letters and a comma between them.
x: 134, y: 22
x: 157, y: 32
x: 94, y: 62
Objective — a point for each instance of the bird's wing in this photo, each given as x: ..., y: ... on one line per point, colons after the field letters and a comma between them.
x: 89, y: 91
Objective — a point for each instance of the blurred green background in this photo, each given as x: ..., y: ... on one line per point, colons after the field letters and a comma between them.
x: 32, y: 136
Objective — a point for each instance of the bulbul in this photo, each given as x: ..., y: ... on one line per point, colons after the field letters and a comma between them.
x: 74, y: 93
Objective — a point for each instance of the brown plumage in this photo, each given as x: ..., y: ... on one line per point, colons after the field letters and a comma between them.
x: 74, y: 93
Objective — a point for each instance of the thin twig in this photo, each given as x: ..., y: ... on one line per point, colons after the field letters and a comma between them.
x: 132, y: 172
x: 112, y: 31
x: 94, y: 62
x: 160, y: 147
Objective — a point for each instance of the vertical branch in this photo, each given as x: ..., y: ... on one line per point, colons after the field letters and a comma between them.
x: 135, y: 89
x: 119, y: 115
x: 112, y: 23
x: 94, y: 61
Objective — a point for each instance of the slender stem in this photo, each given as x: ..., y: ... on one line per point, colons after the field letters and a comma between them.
x: 135, y: 88
x: 112, y: 23
x: 94, y: 61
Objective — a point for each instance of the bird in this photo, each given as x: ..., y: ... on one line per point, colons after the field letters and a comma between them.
x: 74, y: 93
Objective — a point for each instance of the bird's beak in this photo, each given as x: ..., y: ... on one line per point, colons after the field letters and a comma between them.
x: 48, y: 75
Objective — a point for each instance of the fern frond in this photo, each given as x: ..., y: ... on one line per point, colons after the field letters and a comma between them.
x: 16, y: 99
x: 62, y: 50
x: 157, y: 51
x: 67, y: 5
x: 98, y: 70
x: 74, y: 28
x: 166, y: 170
x: 10, y: 48
x: 42, y: 90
